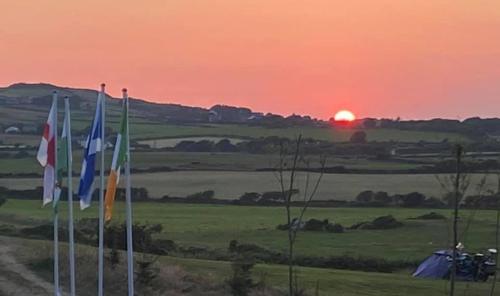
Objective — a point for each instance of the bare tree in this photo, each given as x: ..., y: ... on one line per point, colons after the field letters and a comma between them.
x: 290, y: 161
x: 497, y: 235
x: 455, y: 186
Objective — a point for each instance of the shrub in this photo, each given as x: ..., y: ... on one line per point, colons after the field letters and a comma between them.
x: 334, y: 228
x: 241, y: 282
x: 358, y: 137
x: 205, y: 196
x: 225, y: 145
x: 414, y: 199
x: 275, y: 196
x: 382, y: 222
x: 433, y: 202
x: 146, y: 271
x: 249, y: 197
x: 314, y: 225
x: 383, y: 197
x: 365, y: 196
x: 483, y: 202
x: 431, y: 216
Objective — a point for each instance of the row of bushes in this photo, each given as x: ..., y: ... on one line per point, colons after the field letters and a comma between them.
x: 410, y: 200
x: 366, y: 198
x: 419, y: 200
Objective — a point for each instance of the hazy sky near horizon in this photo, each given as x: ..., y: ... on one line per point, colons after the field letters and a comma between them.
x: 383, y: 58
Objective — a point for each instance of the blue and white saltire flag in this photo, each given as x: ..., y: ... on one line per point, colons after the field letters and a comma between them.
x: 92, y: 146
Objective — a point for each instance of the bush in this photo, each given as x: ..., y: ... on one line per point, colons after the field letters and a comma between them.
x: 225, y: 145
x: 249, y: 197
x: 483, y: 202
x: 411, y: 200
x: 431, y: 216
x: 334, y: 228
x: 358, y: 137
x: 241, y: 282
x: 275, y: 196
x: 433, y: 202
x: 147, y: 271
x: 365, y: 196
x: 383, y: 197
x: 314, y: 225
x: 205, y: 196
x: 3, y: 200
x: 382, y: 222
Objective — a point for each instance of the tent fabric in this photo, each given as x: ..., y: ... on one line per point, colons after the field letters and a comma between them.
x: 436, y: 266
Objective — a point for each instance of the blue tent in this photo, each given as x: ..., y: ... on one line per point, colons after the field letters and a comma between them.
x: 437, y: 266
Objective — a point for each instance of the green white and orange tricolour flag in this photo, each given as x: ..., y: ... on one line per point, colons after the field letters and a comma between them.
x: 119, y: 159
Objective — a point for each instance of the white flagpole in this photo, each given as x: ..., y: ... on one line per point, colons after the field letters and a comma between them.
x: 101, y: 197
x: 70, y: 200
x: 55, y: 209
x: 128, y: 198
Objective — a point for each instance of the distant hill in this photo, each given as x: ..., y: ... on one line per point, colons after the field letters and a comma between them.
x: 37, y: 97
x: 25, y: 105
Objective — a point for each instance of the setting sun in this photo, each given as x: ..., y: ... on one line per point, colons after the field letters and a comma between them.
x: 344, y: 115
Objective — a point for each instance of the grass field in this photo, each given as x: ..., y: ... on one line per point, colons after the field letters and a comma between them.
x: 154, y: 130
x: 148, y: 131
x: 232, y: 184
x: 329, y: 281
x: 214, y: 226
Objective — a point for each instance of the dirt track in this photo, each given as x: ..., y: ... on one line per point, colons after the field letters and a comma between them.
x: 15, y: 278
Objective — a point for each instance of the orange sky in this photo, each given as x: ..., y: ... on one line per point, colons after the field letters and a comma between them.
x: 381, y: 58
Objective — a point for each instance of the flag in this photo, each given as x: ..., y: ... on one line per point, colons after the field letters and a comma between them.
x: 62, y: 156
x: 119, y: 159
x: 46, y: 155
x: 92, y: 146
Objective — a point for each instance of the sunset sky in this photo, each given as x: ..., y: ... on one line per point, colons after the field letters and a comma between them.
x: 383, y: 58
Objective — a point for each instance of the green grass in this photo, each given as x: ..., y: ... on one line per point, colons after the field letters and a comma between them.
x: 232, y: 184
x: 336, y: 282
x: 330, y: 281
x: 214, y: 226
x: 148, y: 131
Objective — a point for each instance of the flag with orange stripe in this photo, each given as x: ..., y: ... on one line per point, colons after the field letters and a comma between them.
x: 119, y: 159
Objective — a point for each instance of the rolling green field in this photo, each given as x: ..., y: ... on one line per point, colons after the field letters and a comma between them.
x: 144, y: 130
x: 147, y: 131
x: 339, y: 282
x: 214, y: 226
x: 232, y: 184
x: 329, y: 281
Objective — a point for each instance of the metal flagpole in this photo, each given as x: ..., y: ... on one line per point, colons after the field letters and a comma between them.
x: 130, y: 251
x: 56, y: 214
x: 70, y: 199
x: 101, y: 197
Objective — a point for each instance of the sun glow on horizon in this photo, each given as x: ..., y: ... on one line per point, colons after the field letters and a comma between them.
x: 344, y: 115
